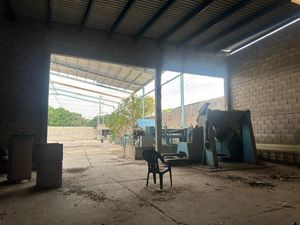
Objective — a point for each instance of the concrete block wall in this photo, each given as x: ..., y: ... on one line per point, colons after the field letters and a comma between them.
x: 173, y: 118
x: 58, y: 134
x: 24, y: 75
x: 265, y: 78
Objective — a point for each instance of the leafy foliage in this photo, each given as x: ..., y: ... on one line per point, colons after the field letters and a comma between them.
x: 119, y: 122
x: 63, y: 117
x: 124, y: 118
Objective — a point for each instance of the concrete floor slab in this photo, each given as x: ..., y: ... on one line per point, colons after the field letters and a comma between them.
x: 100, y: 187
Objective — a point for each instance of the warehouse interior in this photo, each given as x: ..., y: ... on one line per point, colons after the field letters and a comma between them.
x: 252, y: 44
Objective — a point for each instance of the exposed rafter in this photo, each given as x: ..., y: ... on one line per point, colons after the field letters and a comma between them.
x: 87, y: 14
x: 84, y: 95
x: 92, y: 83
x: 107, y: 76
x: 135, y: 79
x: 267, y: 27
x: 153, y: 19
x: 49, y: 14
x: 86, y: 89
x: 200, y: 8
x: 83, y: 99
x: 10, y: 11
x: 121, y: 17
x: 268, y: 8
x: 215, y: 21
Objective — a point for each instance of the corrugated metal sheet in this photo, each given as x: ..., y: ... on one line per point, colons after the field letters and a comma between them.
x: 69, y: 11
x: 116, y: 75
x: 105, y: 12
x: 215, y: 9
x: 175, y: 13
x: 140, y: 12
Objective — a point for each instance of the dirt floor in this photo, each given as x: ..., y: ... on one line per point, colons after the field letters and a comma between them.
x: 100, y: 187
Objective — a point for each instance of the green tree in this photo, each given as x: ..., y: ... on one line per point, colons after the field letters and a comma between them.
x: 63, y: 117
x: 124, y: 118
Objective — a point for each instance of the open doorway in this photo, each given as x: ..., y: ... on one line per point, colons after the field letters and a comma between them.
x: 83, y: 94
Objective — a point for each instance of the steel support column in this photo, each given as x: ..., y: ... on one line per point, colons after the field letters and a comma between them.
x: 143, y: 102
x: 182, y: 99
x: 227, y: 89
x: 158, y: 110
x: 100, y: 122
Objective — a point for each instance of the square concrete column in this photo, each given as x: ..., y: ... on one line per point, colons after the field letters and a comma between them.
x: 158, y: 110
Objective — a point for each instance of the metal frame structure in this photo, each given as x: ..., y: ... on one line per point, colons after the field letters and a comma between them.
x: 171, y: 19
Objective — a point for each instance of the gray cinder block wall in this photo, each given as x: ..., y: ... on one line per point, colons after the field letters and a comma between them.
x: 265, y: 78
x: 24, y: 75
x: 173, y: 118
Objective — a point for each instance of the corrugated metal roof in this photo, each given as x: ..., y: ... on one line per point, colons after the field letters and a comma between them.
x: 115, y: 75
x: 104, y: 13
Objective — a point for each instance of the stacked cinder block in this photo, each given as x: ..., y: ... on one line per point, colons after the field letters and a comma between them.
x: 49, y: 165
x: 265, y: 78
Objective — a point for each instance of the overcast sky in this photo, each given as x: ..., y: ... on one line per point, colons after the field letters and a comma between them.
x: 196, y: 88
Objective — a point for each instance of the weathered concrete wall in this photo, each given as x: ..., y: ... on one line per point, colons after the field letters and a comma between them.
x: 265, y: 78
x: 24, y: 77
x: 173, y: 118
x: 71, y: 133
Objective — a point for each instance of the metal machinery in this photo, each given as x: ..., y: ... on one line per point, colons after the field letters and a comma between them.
x: 218, y: 136
x: 227, y: 136
x: 189, y: 145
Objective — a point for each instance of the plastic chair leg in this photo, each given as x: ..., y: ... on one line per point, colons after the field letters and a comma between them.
x: 161, y: 181
x: 171, y: 178
x: 147, y: 179
x: 154, y: 178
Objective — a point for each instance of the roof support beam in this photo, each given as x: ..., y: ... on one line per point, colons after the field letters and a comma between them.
x: 91, y: 83
x: 85, y: 89
x: 135, y: 79
x: 266, y: 27
x: 83, y: 99
x: 267, y: 9
x: 87, y: 14
x: 199, y: 9
x: 174, y: 78
x: 91, y: 72
x: 215, y: 21
x: 10, y: 11
x: 120, y: 18
x: 153, y: 19
x: 84, y: 95
x: 50, y: 7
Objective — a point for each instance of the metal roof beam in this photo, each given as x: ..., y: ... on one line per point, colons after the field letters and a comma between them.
x: 86, y: 89
x: 92, y: 83
x: 49, y: 13
x: 268, y: 26
x: 84, y: 95
x: 137, y: 77
x: 87, y: 14
x: 91, y: 72
x: 153, y: 19
x: 83, y: 99
x: 10, y: 11
x: 215, y: 21
x: 120, y: 18
x: 168, y: 81
x: 268, y: 8
x: 199, y: 9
